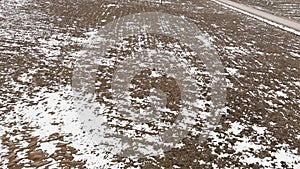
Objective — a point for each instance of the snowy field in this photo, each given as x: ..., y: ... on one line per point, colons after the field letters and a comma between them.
x: 43, y: 46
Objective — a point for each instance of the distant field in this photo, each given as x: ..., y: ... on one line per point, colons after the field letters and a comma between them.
x: 286, y: 8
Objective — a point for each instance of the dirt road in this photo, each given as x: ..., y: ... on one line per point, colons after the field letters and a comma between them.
x: 279, y: 20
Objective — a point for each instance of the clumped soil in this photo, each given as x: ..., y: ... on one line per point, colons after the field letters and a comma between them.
x: 264, y: 57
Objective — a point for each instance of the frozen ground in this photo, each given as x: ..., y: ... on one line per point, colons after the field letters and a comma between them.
x: 41, y: 41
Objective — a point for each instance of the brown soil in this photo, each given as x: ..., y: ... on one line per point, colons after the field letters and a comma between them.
x: 264, y: 65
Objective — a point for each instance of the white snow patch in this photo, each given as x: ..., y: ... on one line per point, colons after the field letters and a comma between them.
x: 48, y: 147
x: 281, y: 94
x: 236, y: 128
x: 205, y: 40
x: 237, y: 49
x: 259, y: 130
x: 64, y: 113
x: 286, y: 155
x: 231, y: 71
x: 297, y: 83
x: 295, y: 54
x: 112, y: 5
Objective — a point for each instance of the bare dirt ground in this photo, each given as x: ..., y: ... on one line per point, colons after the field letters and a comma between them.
x: 39, y: 44
x: 286, y: 8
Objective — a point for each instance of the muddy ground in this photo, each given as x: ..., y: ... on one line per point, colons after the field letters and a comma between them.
x: 39, y: 44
